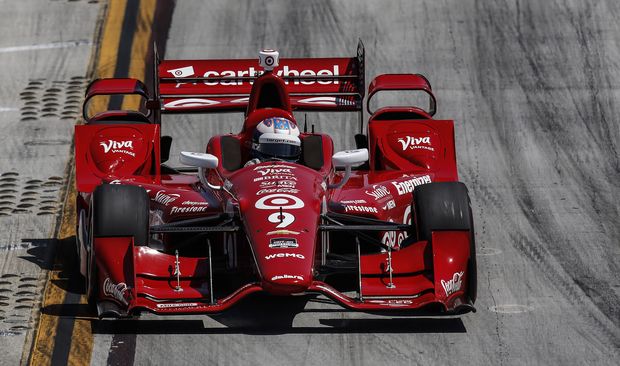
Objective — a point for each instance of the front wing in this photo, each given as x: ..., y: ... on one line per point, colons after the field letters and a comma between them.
x: 135, y: 278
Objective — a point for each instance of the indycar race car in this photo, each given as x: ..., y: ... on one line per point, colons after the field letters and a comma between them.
x: 383, y: 227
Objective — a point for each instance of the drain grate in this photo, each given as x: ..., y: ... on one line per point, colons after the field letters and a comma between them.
x: 25, y: 195
x: 16, y: 302
x: 59, y: 99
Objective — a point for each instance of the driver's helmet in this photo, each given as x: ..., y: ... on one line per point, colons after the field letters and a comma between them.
x: 276, y: 137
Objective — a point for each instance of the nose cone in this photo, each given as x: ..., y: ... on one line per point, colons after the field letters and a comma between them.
x: 286, y: 284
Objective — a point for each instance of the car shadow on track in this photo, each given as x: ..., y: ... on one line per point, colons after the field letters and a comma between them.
x: 267, y: 315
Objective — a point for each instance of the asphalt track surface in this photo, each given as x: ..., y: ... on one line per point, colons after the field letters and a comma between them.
x: 533, y: 88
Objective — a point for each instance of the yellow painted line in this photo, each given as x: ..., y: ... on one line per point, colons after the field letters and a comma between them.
x: 45, y: 335
x: 108, y: 50
x: 140, y: 49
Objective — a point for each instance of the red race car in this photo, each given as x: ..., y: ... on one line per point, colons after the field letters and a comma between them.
x: 385, y: 227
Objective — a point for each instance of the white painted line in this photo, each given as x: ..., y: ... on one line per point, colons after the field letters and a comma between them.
x: 46, y: 46
x: 8, y: 109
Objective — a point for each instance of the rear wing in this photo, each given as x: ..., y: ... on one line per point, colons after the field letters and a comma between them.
x: 327, y: 84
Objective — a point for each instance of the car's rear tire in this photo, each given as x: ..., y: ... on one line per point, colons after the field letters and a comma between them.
x: 446, y: 206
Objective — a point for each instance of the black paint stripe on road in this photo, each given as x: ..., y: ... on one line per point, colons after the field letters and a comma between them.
x: 123, y: 347
x: 124, y: 49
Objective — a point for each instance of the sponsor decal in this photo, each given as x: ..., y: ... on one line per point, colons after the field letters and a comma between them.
x: 454, y: 284
x: 392, y: 238
x: 353, y: 202
x: 165, y: 198
x: 188, y: 209
x: 278, y: 184
x: 285, y: 255
x: 350, y: 208
x: 285, y: 71
x: 195, y: 203
x: 265, y: 170
x: 177, y: 305
x: 279, y: 200
x: 121, y: 147
x: 287, y: 277
x: 190, y: 102
x: 116, y: 291
x: 283, y: 243
x: 408, y: 185
x: 182, y: 72
x: 378, y: 191
x: 277, y: 190
x: 274, y: 177
x: 389, y: 205
x: 283, y: 232
x: 412, y: 143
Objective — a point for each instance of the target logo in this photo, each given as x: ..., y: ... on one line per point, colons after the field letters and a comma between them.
x: 279, y: 201
x: 269, y: 61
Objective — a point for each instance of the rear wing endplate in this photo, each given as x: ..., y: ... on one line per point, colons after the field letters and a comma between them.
x: 402, y: 82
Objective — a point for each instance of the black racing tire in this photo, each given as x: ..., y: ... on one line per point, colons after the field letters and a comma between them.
x: 446, y: 206
x: 121, y: 210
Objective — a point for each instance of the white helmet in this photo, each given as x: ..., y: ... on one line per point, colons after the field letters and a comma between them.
x: 276, y: 137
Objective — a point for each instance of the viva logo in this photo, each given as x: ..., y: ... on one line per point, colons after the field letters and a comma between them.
x: 411, y: 142
x: 116, y: 145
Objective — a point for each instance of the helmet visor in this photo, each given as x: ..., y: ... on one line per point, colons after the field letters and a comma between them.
x: 283, y: 151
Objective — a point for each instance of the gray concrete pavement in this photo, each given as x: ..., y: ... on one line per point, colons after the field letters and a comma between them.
x: 44, y: 53
x: 532, y: 87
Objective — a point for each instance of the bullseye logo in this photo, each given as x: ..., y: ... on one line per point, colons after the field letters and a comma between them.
x: 280, y: 202
x: 277, y: 201
x: 269, y: 61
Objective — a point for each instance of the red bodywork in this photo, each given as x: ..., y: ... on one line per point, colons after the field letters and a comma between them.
x: 281, y: 242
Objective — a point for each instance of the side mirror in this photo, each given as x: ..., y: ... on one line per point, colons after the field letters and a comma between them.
x: 202, y: 161
x: 348, y: 159
x: 199, y: 160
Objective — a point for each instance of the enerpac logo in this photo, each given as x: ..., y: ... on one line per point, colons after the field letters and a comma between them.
x: 378, y: 191
x: 412, y: 143
x: 453, y: 285
x: 164, y: 198
x: 285, y: 255
x: 408, y: 185
x: 115, y: 291
x: 118, y: 147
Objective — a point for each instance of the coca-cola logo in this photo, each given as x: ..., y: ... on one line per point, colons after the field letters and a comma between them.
x: 117, y: 291
x: 454, y: 284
